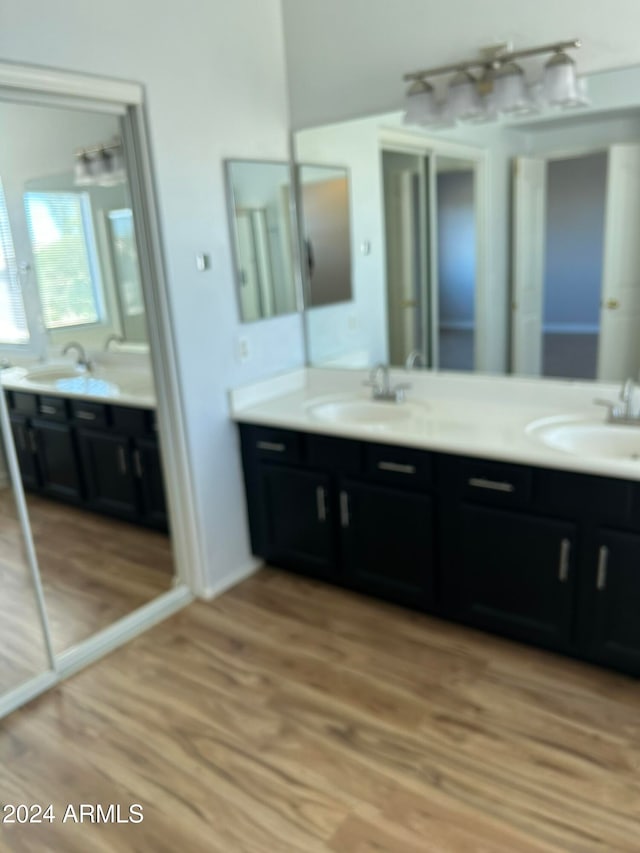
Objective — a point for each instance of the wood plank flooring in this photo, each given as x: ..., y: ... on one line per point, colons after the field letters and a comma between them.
x: 94, y: 571
x: 290, y: 716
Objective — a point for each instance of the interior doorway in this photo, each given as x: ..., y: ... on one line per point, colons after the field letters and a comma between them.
x: 431, y: 239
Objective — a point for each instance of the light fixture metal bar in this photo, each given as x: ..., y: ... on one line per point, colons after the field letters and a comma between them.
x: 484, y: 62
x: 99, y: 147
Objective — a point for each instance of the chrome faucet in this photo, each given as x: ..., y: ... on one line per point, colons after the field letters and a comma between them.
x: 414, y: 358
x: 82, y: 359
x: 380, y: 383
x: 112, y: 339
x: 622, y: 412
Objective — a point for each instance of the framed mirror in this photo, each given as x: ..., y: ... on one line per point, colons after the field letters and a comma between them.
x: 260, y: 203
x: 325, y: 221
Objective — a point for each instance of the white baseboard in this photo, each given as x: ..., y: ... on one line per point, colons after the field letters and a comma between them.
x: 232, y: 579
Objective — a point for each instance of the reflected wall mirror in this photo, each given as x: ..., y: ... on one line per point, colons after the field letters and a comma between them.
x: 499, y: 247
x: 259, y: 202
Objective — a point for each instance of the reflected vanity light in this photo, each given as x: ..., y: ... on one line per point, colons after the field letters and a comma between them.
x: 100, y: 165
x: 499, y: 89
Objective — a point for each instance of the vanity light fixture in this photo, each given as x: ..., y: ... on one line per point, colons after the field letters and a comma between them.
x: 494, y: 84
x: 100, y: 165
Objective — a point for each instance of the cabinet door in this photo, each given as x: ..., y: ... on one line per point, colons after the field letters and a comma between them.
x: 24, y: 441
x: 148, y: 470
x: 387, y: 542
x: 110, y: 482
x: 616, y: 582
x: 511, y: 572
x: 297, y: 519
x: 57, y: 460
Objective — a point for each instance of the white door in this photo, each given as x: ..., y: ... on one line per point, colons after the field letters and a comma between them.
x: 619, y: 344
x: 529, y: 204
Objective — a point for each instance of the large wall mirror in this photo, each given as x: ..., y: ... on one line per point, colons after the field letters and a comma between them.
x: 503, y: 247
x: 84, y: 425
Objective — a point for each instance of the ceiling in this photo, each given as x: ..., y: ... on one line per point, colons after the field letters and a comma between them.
x: 345, y: 58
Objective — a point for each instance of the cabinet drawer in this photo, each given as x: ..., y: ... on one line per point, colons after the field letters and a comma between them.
x: 338, y: 455
x: 610, y: 500
x: 276, y: 445
x: 52, y: 408
x: 131, y: 421
x: 494, y: 483
x: 400, y: 466
x: 23, y: 404
x: 89, y: 414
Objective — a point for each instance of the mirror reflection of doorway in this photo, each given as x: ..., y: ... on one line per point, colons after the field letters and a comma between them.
x: 431, y: 255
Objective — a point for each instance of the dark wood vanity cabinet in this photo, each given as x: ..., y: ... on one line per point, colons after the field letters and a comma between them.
x: 97, y: 455
x: 543, y: 556
x: 324, y: 507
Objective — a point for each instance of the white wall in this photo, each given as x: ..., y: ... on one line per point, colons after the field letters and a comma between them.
x: 215, y: 86
x: 346, y: 58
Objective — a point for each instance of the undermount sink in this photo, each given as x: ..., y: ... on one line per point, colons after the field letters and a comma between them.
x: 362, y: 412
x: 46, y: 375
x: 73, y: 379
x: 588, y: 438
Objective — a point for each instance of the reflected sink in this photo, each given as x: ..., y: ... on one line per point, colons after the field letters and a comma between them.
x: 363, y: 412
x: 51, y: 375
x: 73, y: 379
x: 588, y: 438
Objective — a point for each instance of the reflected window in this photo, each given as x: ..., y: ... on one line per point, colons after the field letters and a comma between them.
x: 65, y: 258
x: 13, y: 322
x: 125, y: 261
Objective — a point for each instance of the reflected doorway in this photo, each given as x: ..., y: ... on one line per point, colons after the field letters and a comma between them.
x: 430, y: 211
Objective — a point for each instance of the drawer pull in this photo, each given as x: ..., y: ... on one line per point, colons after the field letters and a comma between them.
x: 85, y: 416
x: 563, y: 564
x: 492, y: 485
x: 122, y: 461
x: 321, y: 501
x: 137, y: 464
x: 603, y: 561
x: 272, y: 446
x: 344, y: 509
x: 48, y: 410
x: 397, y: 468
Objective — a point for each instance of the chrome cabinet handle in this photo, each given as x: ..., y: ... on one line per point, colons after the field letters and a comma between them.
x: 47, y: 410
x: 321, y: 503
x: 344, y: 509
x: 603, y: 562
x: 397, y: 468
x: 563, y: 564
x: 493, y: 485
x: 85, y: 416
x: 137, y: 464
x: 33, y: 441
x: 273, y: 446
x: 122, y: 460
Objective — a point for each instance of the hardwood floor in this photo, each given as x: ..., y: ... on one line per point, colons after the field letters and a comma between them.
x: 94, y: 571
x: 290, y: 716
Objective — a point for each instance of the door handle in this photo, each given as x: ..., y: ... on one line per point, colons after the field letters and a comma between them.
x: 344, y: 510
x: 563, y: 563
x: 603, y: 561
x: 137, y: 464
x: 33, y: 441
x: 122, y: 461
x: 321, y: 503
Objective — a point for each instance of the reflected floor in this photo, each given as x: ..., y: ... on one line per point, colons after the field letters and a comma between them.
x: 94, y: 571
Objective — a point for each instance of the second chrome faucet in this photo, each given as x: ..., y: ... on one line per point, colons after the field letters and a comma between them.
x: 380, y: 383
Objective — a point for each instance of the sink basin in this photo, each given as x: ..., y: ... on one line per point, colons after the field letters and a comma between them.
x: 362, y: 412
x: 51, y: 375
x: 588, y: 438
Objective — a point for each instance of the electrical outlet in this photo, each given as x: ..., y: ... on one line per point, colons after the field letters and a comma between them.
x: 243, y: 349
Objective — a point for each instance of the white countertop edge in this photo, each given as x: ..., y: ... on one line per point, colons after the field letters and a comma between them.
x: 260, y: 404
x: 141, y: 401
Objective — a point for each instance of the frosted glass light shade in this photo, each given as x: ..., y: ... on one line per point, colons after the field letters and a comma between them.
x: 81, y: 174
x: 463, y: 100
x: 559, y: 83
x: 421, y: 105
x: 510, y: 94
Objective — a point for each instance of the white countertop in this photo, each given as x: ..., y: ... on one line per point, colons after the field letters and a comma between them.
x: 113, y: 383
x: 465, y: 414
